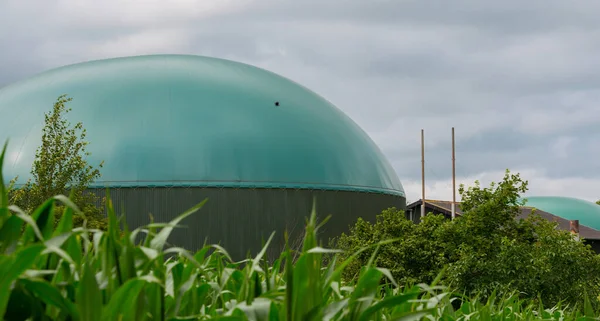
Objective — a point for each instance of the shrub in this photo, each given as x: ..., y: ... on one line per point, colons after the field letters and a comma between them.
x: 413, y: 257
x: 484, y: 250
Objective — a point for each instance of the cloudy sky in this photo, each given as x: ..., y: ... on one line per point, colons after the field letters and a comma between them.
x: 519, y: 80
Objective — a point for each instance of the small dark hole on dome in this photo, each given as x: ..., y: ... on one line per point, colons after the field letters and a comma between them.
x: 276, y: 103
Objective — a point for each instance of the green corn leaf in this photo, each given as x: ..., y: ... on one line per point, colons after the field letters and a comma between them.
x: 259, y: 256
x: 587, y: 306
x: 389, y: 276
x: 158, y: 242
x: 89, y: 298
x: 4, y: 213
x: 200, y: 255
x: 58, y: 240
x: 109, y: 261
x: 259, y: 310
x: 44, y: 220
x: 23, y: 260
x: 51, y: 295
x: 22, y: 305
x: 290, y: 286
x: 183, y: 253
x: 231, y: 318
x: 113, y: 224
x: 155, y: 296
x: 10, y: 233
x: 391, y: 302
x: 334, y: 308
x: 68, y: 202
x: 66, y: 221
x: 12, y: 267
x: 120, y: 305
x: 417, y: 316
x: 127, y: 259
x: 219, y: 250
x: 29, y: 221
x: 320, y: 250
x: 364, y: 291
x: 151, y: 254
x: 73, y: 248
x: 60, y: 252
x: 274, y: 314
x: 303, y: 301
x: 150, y: 233
x: 182, y: 291
x: 54, y: 246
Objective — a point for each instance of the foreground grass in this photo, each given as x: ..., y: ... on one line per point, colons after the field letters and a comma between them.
x: 66, y: 273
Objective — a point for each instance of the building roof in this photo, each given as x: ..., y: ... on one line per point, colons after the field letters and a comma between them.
x: 587, y: 213
x: 172, y: 120
x: 585, y: 231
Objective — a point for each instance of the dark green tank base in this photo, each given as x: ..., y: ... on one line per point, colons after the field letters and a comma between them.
x: 242, y: 219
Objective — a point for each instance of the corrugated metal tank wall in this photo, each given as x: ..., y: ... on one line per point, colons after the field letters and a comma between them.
x: 242, y: 219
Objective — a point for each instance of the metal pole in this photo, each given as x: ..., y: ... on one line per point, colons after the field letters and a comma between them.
x: 422, y: 173
x: 453, y: 178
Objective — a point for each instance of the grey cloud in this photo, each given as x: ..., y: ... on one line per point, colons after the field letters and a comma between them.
x: 518, y: 80
x: 498, y: 17
x: 498, y: 151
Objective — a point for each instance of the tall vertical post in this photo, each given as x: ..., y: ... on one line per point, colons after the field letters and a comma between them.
x: 453, y: 178
x: 422, y: 173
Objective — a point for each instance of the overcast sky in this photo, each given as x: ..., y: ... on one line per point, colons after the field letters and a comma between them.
x: 519, y: 80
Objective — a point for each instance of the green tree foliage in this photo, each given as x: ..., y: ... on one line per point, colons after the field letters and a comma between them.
x: 415, y: 257
x: 60, y: 167
x: 486, y: 249
x: 598, y: 202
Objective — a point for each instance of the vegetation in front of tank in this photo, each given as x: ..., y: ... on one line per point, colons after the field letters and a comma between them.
x: 64, y: 272
x: 60, y: 167
x: 484, y: 250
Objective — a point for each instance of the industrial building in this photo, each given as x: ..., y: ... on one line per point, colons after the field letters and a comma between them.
x: 173, y: 130
x: 570, y: 214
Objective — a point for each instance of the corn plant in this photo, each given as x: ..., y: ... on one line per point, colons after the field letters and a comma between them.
x: 50, y: 272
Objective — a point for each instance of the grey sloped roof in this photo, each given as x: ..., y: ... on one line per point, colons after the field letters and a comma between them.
x: 585, y: 232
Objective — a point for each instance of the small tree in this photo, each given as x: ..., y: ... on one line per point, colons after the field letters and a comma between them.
x: 60, y: 167
x: 598, y: 202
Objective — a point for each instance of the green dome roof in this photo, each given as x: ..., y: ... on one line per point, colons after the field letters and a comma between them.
x: 175, y: 120
x: 568, y: 208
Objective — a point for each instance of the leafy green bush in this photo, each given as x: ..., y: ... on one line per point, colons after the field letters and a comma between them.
x: 414, y: 257
x: 484, y: 250
x: 60, y: 167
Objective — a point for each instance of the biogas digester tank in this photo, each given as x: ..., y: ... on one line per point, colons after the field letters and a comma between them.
x: 173, y: 130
